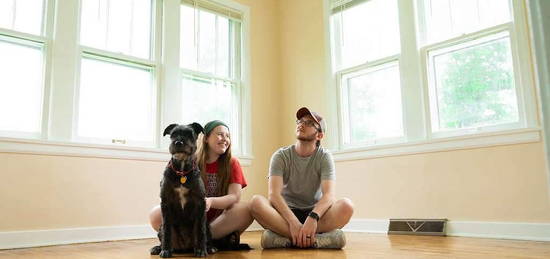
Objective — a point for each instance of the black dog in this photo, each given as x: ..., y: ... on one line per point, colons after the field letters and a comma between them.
x: 182, y: 194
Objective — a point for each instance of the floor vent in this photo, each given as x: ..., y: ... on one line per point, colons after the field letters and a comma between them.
x: 430, y: 227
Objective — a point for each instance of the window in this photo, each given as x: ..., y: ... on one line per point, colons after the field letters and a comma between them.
x: 22, y: 48
x: 470, y: 63
x: 210, y: 60
x: 473, y: 84
x: 117, y: 93
x: 373, y: 104
x: 367, y: 65
x: 118, y: 72
x: 440, y: 69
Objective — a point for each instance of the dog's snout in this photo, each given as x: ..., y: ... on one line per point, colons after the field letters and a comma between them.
x: 178, y: 143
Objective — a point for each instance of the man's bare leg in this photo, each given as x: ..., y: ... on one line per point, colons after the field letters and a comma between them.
x: 267, y: 216
x: 337, y: 216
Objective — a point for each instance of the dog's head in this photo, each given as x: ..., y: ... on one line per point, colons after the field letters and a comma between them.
x: 183, y: 140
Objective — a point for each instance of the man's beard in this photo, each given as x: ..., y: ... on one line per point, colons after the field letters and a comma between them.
x: 307, y: 138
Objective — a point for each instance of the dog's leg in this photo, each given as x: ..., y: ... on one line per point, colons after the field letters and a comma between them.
x: 200, y: 229
x: 155, y: 250
x: 166, y: 241
x: 211, y: 249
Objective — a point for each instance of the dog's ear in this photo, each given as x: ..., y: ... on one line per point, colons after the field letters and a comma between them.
x: 169, y: 129
x: 196, y: 127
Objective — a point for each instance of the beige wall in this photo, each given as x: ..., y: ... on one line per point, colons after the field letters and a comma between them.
x: 505, y: 183
x: 48, y: 192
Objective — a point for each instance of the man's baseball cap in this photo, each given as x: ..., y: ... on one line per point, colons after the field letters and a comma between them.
x: 305, y: 111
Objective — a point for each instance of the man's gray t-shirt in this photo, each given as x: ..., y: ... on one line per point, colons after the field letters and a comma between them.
x: 302, y: 175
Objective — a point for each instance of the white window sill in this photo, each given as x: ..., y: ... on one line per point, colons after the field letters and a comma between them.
x: 42, y: 147
x: 441, y: 144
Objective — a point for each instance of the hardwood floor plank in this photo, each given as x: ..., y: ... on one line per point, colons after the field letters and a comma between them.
x: 359, y: 245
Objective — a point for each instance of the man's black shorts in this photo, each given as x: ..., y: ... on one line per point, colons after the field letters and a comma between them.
x: 301, y: 214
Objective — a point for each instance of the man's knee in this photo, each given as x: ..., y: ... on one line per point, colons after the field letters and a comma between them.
x: 346, y: 207
x: 257, y: 203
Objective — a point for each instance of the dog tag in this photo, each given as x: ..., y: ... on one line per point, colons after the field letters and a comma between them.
x: 183, y: 179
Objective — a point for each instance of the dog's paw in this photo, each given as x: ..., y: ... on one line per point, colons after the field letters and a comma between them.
x: 165, y: 254
x: 200, y: 253
x: 155, y: 250
x: 212, y: 250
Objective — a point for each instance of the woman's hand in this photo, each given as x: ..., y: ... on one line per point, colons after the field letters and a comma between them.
x: 208, y: 202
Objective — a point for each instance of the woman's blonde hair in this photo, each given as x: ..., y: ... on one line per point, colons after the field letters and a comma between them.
x: 224, y: 164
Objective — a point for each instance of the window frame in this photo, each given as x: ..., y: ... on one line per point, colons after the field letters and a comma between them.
x: 413, y: 61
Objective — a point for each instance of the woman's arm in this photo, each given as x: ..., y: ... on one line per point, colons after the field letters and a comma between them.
x: 223, y: 202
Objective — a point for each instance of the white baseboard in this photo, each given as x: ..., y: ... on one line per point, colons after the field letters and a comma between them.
x: 482, y: 229
x: 499, y: 230
x: 368, y: 225
x: 33, y: 238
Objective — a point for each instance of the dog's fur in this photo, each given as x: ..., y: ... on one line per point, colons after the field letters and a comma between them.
x: 184, y: 226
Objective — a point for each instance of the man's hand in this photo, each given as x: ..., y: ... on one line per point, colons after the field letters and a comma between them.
x: 308, y: 230
x: 295, y: 227
x: 208, y: 202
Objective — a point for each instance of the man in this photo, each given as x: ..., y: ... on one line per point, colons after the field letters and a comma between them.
x: 302, y: 210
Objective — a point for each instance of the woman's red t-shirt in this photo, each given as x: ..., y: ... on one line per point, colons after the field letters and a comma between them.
x: 211, y: 183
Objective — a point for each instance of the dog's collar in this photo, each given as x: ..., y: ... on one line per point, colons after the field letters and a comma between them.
x: 181, y: 173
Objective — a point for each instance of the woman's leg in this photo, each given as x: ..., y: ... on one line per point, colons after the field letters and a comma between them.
x: 235, y: 218
x: 155, y: 218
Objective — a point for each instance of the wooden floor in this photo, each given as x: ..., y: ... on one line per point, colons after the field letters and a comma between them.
x: 359, y: 245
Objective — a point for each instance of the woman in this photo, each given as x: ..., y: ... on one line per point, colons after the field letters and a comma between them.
x: 223, y: 179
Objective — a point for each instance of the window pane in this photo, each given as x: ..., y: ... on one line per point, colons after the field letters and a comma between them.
x: 475, y: 84
x: 206, y: 35
x: 20, y: 88
x: 117, y: 25
x: 188, y: 48
x: 449, y: 18
x: 22, y: 15
x: 374, y: 104
x: 116, y: 102
x: 367, y: 32
x: 205, y: 100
